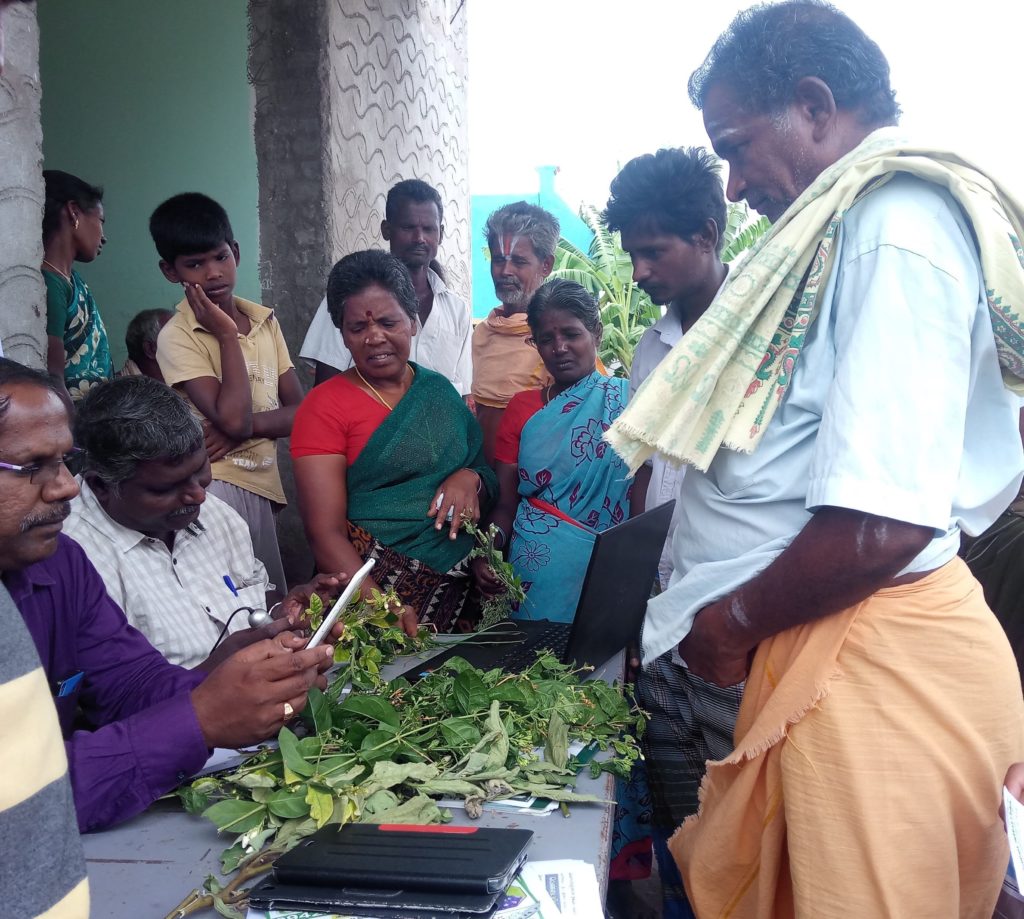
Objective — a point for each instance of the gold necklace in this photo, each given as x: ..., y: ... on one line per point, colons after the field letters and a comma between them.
x: 372, y: 389
x: 66, y: 277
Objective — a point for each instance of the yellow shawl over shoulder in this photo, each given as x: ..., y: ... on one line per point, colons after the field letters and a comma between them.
x: 720, y: 386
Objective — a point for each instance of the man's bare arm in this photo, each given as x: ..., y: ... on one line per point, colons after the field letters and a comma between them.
x: 839, y: 559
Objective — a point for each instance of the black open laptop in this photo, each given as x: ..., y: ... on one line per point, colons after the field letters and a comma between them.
x: 623, y: 567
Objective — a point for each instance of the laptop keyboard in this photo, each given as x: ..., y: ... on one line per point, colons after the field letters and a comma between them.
x: 555, y: 638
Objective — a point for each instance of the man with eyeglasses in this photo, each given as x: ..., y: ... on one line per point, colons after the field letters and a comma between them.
x: 134, y: 725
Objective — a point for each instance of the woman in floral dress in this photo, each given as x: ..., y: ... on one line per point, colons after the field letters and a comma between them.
x: 560, y: 484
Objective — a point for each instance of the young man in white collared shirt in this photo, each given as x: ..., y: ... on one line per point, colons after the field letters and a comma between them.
x: 669, y: 208
x: 413, y: 227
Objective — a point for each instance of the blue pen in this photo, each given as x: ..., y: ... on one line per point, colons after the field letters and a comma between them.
x: 231, y: 584
x: 67, y: 687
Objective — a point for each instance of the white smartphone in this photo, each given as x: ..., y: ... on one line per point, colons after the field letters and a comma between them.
x: 350, y: 591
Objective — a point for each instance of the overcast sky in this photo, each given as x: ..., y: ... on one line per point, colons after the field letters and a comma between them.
x: 589, y: 84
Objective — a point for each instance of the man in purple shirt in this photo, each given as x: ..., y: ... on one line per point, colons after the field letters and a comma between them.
x: 153, y: 722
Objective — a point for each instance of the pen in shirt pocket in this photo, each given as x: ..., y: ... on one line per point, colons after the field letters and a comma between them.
x: 230, y: 584
x: 67, y: 686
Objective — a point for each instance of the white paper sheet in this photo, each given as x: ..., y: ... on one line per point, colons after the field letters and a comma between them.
x: 1014, y: 812
x: 570, y: 884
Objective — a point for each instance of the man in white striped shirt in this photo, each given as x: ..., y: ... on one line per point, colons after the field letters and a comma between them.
x: 177, y: 560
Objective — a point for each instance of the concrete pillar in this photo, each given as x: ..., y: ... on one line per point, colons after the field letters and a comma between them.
x: 22, y: 297
x: 397, y: 99
x: 351, y: 96
x: 287, y: 68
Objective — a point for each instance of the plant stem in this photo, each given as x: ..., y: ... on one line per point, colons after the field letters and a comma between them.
x: 249, y: 868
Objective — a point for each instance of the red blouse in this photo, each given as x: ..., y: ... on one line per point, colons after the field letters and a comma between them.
x: 522, y: 407
x: 337, y: 417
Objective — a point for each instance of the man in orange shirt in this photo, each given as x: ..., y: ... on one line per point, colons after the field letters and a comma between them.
x: 522, y: 239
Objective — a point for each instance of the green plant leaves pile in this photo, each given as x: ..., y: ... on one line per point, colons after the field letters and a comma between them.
x: 386, y: 756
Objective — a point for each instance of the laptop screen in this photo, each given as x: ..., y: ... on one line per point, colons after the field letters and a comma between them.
x: 623, y: 567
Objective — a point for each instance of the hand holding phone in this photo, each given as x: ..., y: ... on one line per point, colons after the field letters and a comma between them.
x: 339, y: 607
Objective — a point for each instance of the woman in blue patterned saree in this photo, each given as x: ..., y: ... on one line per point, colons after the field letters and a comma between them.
x: 559, y: 483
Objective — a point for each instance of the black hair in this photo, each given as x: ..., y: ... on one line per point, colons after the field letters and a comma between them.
x: 145, y: 326
x: 414, y: 190
x: 12, y: 373
x: 130, y: 420
x: 355, y: 272
x: 768, y: 48
x: 62, y: 187
x: 560, y: 294
x: 675, y: 191
x: 188, y: 224
x: 523, y: 219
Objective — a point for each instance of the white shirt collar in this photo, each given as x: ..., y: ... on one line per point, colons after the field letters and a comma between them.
x: 669, y: 328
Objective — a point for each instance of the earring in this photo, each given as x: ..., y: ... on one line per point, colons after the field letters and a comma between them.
x: 74, y: 226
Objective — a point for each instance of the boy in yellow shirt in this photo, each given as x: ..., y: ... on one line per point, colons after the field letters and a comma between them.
x: 229, y: 358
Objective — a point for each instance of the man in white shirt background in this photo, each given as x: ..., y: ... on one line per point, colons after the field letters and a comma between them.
x: 669, y: 208
x: 413, y: 227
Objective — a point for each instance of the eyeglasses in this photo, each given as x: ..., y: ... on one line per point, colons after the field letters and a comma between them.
x: 43, y: 473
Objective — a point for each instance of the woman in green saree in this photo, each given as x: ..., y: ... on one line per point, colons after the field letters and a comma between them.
x: 77, y: 349
x: 388, y: 460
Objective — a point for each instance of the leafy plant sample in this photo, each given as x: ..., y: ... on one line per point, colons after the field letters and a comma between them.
x: 384, y: 756
x: 315, y: 612
x: 372, y: 638
x: 495, y: 609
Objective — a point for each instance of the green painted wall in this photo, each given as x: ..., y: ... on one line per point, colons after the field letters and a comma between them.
x: 150, y: 98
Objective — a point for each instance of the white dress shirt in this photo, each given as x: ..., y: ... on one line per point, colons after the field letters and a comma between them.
x: 666, y: 477
x: 176, y: 597
x: 442, y: 344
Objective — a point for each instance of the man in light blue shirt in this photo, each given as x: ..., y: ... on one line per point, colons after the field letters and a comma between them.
x: 867, y: 772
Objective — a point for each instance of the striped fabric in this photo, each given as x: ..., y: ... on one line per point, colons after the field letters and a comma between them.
x: 42, y: 872
x: 689, y: 722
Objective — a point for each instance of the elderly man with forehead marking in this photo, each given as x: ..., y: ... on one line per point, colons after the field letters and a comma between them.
x: 148, y: 724
x: 843, y: 403
x: 522, y: 239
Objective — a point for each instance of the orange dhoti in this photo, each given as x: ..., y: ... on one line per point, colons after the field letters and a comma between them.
x: 870, y: 751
